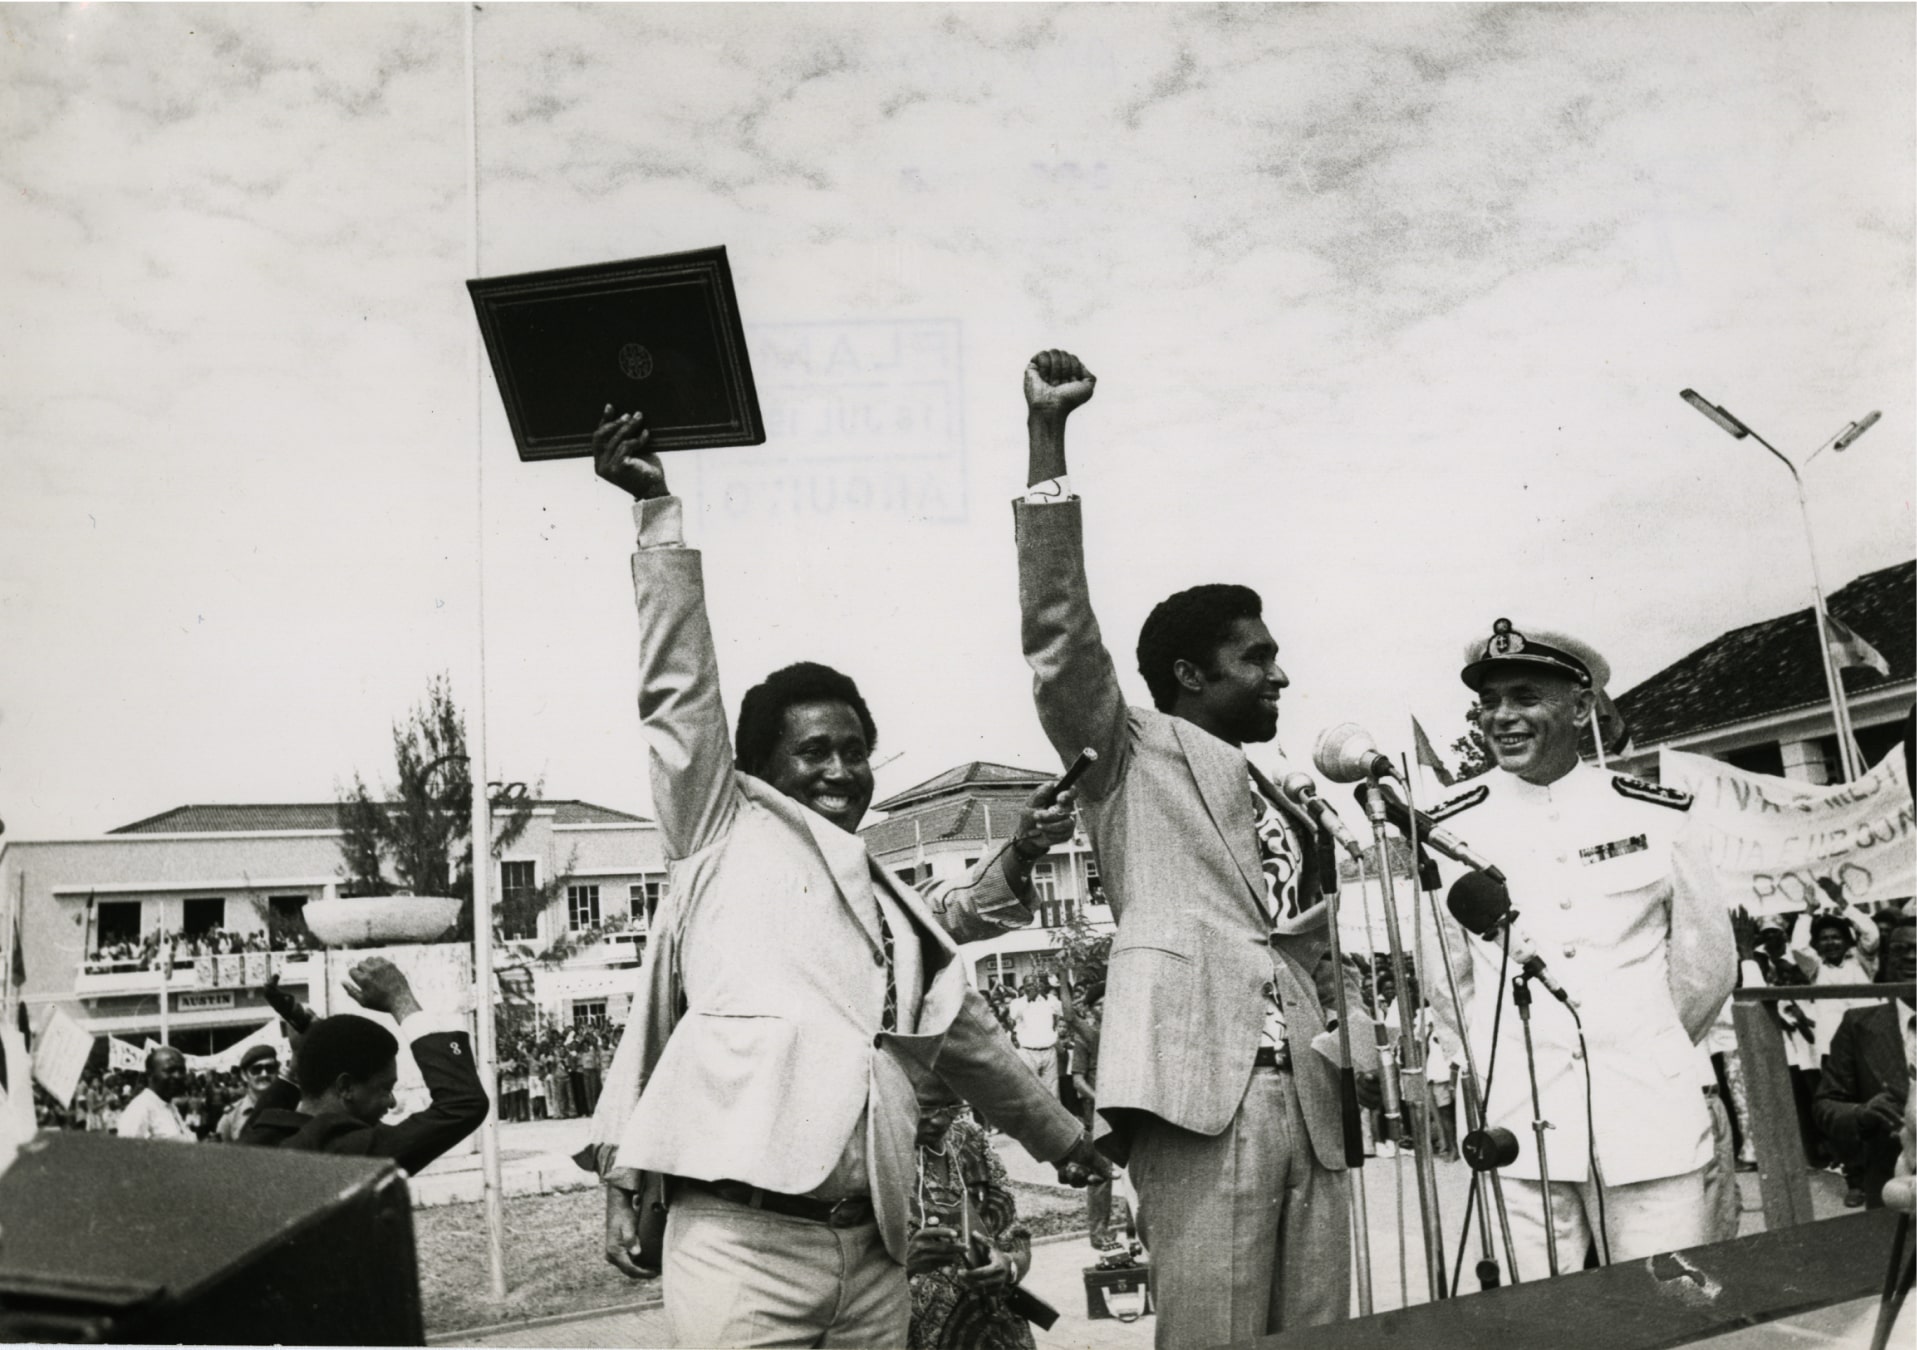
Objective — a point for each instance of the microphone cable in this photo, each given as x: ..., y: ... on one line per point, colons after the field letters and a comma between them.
x: 1590, y: 1142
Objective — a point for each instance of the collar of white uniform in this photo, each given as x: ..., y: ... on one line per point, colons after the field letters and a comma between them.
x: 1523, y: 790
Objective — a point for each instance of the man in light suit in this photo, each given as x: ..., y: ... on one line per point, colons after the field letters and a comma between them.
x: 1625, y: 911
x: 794, y: 997
x: 1230, y: 1121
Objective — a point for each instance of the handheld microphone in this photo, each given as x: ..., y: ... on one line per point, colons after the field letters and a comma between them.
x: 1301, y: 792
x: 1398, y: 811
x: 1086, y: 758
x: 1346, y: 753
x: 1484, y: 907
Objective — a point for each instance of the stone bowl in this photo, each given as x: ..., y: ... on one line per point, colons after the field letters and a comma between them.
x: 380, y: 920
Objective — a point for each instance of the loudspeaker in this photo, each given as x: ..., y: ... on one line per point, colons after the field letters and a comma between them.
x: 134, y: 1240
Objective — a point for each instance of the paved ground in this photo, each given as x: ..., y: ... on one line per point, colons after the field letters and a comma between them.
x: 539, y: 1149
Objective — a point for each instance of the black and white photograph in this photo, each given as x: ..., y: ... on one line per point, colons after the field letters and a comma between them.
x: 961, y: 676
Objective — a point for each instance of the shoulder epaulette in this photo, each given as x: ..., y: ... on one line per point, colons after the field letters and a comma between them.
x: 1651, y: 792
x: 1464, y: 801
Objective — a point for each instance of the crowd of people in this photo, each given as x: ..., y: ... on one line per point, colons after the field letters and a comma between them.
x: 147, y: 953
x: 554, y: 1074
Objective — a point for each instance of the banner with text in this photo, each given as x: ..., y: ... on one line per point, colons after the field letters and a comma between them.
x: 1773, y: 840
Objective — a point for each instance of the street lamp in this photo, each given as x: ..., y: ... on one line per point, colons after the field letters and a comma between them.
x: 1841, y: 441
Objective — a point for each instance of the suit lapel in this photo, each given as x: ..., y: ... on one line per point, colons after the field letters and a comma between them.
x: 1887, y: 1049
x: 843, y: 854
x: 1225, y: 789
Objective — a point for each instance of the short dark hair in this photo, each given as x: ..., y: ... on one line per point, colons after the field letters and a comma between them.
x: 1190, y: 626
x: 1832, y: 923
x: 762, y: 710
x: 342, y: 1044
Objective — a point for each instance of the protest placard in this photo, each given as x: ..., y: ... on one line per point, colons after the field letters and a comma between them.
x: 60, y: 1054
x: 1772, y: 841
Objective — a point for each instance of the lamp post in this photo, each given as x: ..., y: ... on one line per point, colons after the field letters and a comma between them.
x: 1841, y: 441
x: 485, y: 1049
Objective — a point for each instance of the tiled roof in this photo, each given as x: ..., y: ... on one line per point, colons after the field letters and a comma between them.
x: 276, y: 816
x: 1772, y: 667
x: 949, y: 821
x: 978, y: 773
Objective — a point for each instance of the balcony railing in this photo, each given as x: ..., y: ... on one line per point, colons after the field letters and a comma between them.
x: 100, y: 978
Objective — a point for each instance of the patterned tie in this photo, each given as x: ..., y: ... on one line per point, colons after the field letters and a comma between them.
x: 889, y: 1019
x: 1277, y: 860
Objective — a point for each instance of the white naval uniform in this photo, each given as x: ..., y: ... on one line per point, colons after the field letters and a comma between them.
x: 1626, y: 917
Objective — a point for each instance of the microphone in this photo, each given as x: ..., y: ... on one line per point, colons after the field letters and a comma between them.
x: 1300, y: 791
x: 1345, y: 753
x: 1398, y: 811
x: 1484, y: 907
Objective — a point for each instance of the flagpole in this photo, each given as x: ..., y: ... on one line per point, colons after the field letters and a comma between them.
x: 1840, y: 710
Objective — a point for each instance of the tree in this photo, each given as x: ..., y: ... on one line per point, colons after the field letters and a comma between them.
x: 417, y: 838
x: 1472, y: 750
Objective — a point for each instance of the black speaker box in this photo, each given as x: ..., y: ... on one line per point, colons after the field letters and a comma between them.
x: 129, y: 1240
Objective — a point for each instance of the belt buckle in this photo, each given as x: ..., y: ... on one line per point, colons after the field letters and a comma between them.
x: 845, y: 1212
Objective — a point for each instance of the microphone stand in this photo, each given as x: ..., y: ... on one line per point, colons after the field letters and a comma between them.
x: 1469, y: 1093
x: 1348, y: 1091
x: 1521, y: 998
x: 1421, y: 1155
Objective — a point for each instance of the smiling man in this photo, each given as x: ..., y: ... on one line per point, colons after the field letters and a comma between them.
x: 1230, y: 1123
x: 795, y: 995
x: 1623, y: 910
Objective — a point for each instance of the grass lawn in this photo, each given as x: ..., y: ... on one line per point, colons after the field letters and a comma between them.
x: 553, y: 1260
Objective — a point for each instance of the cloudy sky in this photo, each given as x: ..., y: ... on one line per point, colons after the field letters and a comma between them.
x: 1390, y: 306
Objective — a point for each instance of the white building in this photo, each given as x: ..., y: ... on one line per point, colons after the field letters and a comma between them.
x: 945, y: 825
x: 249, y: 869
x: 1756, y: 697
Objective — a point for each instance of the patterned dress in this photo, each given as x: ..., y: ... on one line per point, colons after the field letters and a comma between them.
x: 946, y: 1315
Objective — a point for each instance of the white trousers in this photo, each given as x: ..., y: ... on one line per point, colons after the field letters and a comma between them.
x: 737, y: 1276
x: 1642, y: 1219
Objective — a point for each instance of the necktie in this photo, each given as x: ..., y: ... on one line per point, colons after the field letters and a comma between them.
x: 889, y: 1019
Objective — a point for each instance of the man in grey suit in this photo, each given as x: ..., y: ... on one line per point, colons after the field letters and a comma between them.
x: 793, y: 999
x: 1220, y: 968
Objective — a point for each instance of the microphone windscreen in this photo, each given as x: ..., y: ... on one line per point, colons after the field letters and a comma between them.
x: 1479, y: 903
x: 1342, y: 753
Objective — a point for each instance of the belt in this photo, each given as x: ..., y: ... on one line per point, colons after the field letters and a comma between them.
x: 1268, y: 1057
x: 851, y: 1212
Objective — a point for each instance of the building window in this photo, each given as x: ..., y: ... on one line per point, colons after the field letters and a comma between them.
x: 518, y: 899
x: 643, y: 899
x: 1094, y: 889
x: 1045, y: 882
x: 117, y: 924
x: 202, y: 916
x: 970, y: 863
x: 582, y: 908
x: 909, y: 875
x: 588, y: 1012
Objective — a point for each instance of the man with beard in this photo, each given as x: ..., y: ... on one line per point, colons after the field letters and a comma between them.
x: 1229, y: 1122
x: 1624, y: 911
x: 795, y: 995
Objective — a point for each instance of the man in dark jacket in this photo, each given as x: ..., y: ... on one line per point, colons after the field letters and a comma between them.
x: 1865, y: 1089
x: 348, y: 1066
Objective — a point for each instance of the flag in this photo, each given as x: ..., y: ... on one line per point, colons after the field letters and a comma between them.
x: 1848, y: 651
x: 1611, y: 723
x: 1428, y: 755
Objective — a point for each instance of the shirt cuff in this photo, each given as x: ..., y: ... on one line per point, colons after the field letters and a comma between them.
x: 1050, y: 492
x: 661, y: 522
x: 424, y: 1023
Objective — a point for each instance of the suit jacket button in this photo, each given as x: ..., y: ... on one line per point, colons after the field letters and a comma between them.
x: 878, y: 1041
x: 878, y: 959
